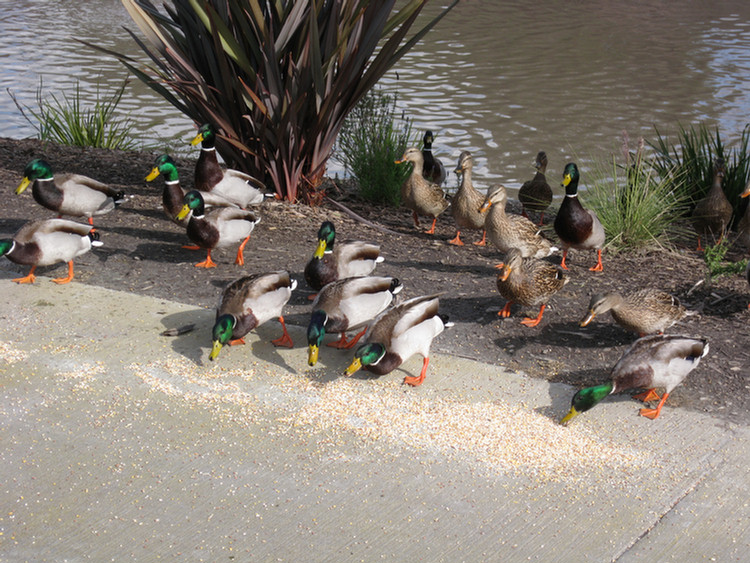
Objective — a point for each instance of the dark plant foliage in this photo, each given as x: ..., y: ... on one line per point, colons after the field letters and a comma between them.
x: 276, y: 77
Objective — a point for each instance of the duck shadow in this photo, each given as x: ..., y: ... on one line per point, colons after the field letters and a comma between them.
x: 476, y: 269
x: 565, y: 334
x: 195, y: 343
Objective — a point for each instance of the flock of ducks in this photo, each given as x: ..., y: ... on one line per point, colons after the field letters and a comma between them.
x: 349, y: 298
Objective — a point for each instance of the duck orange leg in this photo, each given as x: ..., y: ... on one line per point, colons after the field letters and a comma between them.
x: 505, y: 311
x: 598, y: 267
x: 285, y: 339
x: 237, y: 342
x: 482, y: 242
x: 457, y: 239
x: 528, y: 321
x: 565, y: 255
x: 68, y: 278
x: 207, y: 263
x: 415, y: 381
x: 30, y: 278
x: 343, y: 343
x: 416, y: 218
x: 654, y: 413
x: 240, y: 260
x: 432, y: 229
x: 646, y: 396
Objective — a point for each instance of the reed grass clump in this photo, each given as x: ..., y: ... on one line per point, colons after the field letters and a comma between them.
x: 67, y: 120
x: 688, y: 162
x: 637, y: 206
x: 370, y: 141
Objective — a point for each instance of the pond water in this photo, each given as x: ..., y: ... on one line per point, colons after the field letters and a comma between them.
x: 500, y: 79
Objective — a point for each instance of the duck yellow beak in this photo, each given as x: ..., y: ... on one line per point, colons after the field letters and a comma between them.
x: 485, y: 206
x: 198, y: 139
x: 215, y: 350
x: 587, y: 319
x: 23, y: 185
x: 320, y: 250
x: 747, y: 191
x: 183, y: 213
x: 570, y: 416
x: 399, y: 161
x: 312, y: 355
x: 353, y: 367
x: 566, y: 180
x: 153, y: 174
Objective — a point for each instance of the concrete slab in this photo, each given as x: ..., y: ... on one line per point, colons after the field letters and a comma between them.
x: 119, y: 443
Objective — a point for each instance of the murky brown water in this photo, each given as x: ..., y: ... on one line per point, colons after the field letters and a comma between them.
x: 501, y: 79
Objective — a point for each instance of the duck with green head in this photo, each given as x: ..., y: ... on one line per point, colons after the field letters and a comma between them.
x: 238, y: 187
x: 43, y: 243
x: 331, y: 262
x: 399, y: 333
x: 221, y: 227
x: 650, y: 362
x: 576, y: 226
x: 68, y: 194
x: 347, y: 304
x: 249, y: 302
x: 172, y: 197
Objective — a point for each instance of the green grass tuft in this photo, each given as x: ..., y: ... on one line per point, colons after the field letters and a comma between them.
x: 65, y: 120
x: 371, y: 139
x: 637, y: 207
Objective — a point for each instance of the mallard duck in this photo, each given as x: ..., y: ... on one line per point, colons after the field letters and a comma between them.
x: 173, y: 195
x: 421, y: 196
x: 329, y: 263
x: 432, y: 169
x: 43, y: 243
x: 397, y: 334
x: 68, y: 194
x: 466, y: 202
x: 743, y: 227
x: 347, y: 304
x: 528, y: 281
x: 646, y: 311
x: 512, y: 231
x: 238, y: 187
x: 713, y: 213
x: 249, y: 302
x: 652, y: 361
x: 577, y: 227
x: 536, y: 194
x: 221, y: 227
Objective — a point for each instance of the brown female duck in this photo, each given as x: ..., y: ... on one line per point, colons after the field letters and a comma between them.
x: 418, y: 194
x: 536, y: 194
x: 713, y: 213
x: 528, y: 281
x: 646, y: 311
x: 512, y: 231
x: 432, y: 169
x: 466, y: 203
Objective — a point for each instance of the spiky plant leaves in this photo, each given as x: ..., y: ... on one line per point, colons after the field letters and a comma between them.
x: 276, y: 78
